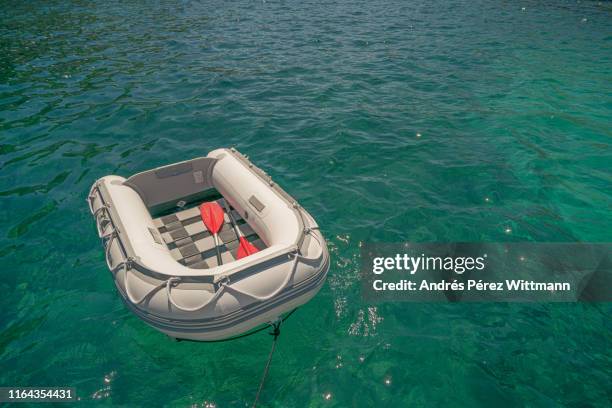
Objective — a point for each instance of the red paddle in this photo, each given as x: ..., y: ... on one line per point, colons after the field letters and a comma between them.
x: 245, y: 248
x: 212, y: 215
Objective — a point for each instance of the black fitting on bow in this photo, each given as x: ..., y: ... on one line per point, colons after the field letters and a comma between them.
x: 275, y: 329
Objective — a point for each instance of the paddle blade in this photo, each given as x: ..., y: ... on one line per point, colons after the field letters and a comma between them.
x: 245, y: 248
x: 212, y: 216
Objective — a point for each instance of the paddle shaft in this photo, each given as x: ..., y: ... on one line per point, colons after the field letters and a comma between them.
x: 216, y: 238
x: 245, y: 248
x: 228, y: 211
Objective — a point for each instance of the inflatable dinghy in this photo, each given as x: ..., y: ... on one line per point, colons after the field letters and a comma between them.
x: 267, y: 258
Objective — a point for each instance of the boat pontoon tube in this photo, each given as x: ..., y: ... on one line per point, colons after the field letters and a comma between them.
x: 163, y: 260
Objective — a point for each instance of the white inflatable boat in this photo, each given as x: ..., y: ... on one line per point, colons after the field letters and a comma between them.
x: 189, y: 283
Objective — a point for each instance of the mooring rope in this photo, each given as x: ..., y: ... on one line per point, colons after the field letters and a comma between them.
x: 275, y: 332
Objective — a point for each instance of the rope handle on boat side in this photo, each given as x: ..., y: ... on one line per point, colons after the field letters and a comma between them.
x: 103, y: 207
x: 289, y: 277
x: 102, y: 215
x: 101, y: 212
x: 127, y: 267
x: 111, y: 236
x: 213, y: 298
x: 278, y: 290
x: 169, y: 283
x: 91, y: 196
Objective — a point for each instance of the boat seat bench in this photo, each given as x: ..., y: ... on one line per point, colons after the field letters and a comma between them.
x: 192, y: 245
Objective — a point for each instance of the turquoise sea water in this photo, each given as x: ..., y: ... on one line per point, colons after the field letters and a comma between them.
x: 389, y: 121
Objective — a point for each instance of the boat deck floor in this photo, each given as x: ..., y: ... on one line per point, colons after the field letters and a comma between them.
x: 192, y: 245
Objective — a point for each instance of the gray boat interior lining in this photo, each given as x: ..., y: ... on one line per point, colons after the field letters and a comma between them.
x: 192, y: 245
x: 162, y: 188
